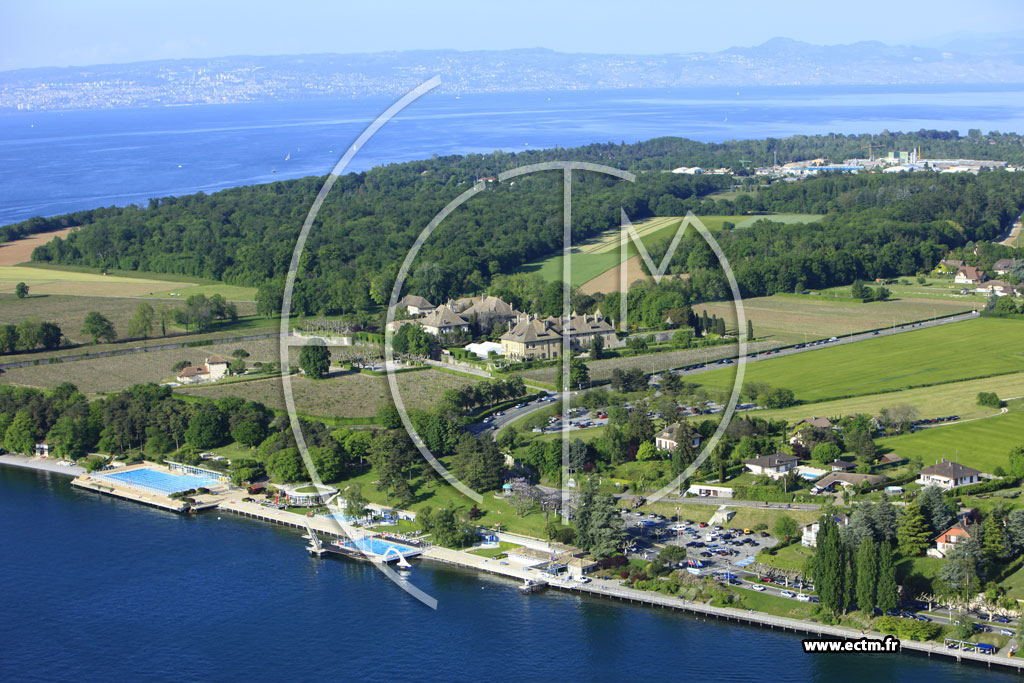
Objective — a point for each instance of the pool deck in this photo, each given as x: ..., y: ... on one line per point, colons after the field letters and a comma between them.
x: 111, y: 487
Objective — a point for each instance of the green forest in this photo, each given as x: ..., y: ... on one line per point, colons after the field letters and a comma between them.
x: 875, y: 225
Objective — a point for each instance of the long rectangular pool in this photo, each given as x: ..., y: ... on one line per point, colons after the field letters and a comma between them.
x: 158, y: 481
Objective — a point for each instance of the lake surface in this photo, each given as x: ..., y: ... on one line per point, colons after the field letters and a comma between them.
x: 55, y: 162
x: 97, y: 589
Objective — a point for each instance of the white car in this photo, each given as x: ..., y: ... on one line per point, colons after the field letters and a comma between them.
x: 583, y: 579
x: 803, y: 597
x: 787, y: 594
x: 757, y: 587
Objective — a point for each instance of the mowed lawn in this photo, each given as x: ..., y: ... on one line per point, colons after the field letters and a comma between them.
x: 342, y: 395
x: 945, y: 353
x: 955, y: 398
x: 790, y: 319
x: 983, y: 444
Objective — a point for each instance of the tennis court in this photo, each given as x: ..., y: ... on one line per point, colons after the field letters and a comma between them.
x: 157, y: 481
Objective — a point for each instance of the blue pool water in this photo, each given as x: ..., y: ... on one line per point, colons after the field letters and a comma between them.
x: 159, y: 482
x: 379, y: 547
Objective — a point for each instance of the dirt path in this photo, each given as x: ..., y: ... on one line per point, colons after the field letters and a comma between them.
x: 20, y: 251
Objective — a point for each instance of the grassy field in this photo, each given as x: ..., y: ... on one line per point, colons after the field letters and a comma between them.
x: 345, y: 395
x: 651, y: 362
x: 89, y: 282
x: 956, y: 398
x: 946, y: 353
x: 983, y: 444
x: 117, y: 372
x: 495, y: 510
x: 793, y: 318
x: 69, y: 312
x: 1014, y: 584
x: 599, y: 254
x: 793, y: 557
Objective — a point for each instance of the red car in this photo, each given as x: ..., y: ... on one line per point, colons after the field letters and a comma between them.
x: 703, y: 524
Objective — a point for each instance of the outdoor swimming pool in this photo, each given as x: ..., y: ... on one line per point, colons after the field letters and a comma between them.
x: 158, y: 481
x: 380, y: 547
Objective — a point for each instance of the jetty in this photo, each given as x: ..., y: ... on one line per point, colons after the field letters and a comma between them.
x: 611, y: 588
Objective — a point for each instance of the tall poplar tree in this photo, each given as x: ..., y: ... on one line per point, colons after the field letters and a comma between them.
x: 828, y: 566
x: 867, y: 575
x: 887, y: 593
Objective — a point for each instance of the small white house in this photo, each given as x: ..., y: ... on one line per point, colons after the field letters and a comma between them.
x: 948, y: 475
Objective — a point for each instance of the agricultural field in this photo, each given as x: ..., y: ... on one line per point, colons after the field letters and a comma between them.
x: 793, y: 318
x: 117, y: 372
x: 652, y: 362
x: 593, y: 258
x: 89, y: 282
x: 982, y: 444
x: 933, y: 288
x: 69, y: 312
x: 946, y: 353
x: 955, y: 398
x: 20, y: 251
x: 341, y: 395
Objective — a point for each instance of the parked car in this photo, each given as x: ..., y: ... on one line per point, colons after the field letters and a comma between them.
x: 787, y: 594
x: 757, y: 587
x: 1005, y: 632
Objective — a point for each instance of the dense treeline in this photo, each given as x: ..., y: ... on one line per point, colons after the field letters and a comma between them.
x: 877, y: 225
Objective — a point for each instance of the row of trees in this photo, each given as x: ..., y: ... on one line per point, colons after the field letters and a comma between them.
x: 851, y: 573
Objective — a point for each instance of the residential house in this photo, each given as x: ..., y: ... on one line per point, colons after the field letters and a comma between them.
x: 819, y: 422
x: 214, y: 369
x: 948, y: 475
x: 415, y: 305
x: 842, y: 466
x: 708, y: 491
x: 997, y: 287
x: 969, y: 275
x: 890, y: 459
x: 951, y: 265
x: 1005, y: 265
x: 669, y: 438
x: 845, y: 479
x: 945, y: 541
x: 443, y: 320
x: 809, y: 532
x: 774, y: 466
x: 531, y: 338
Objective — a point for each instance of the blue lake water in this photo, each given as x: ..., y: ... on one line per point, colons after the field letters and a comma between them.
x: 53, y: 162
x: 97, y: 589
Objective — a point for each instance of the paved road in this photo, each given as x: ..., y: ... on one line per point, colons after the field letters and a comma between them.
x: 509, y: 416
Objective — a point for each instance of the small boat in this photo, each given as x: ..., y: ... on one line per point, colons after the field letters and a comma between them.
x: 287, y: 158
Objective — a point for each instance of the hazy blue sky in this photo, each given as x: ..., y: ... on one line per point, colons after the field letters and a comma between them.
x: 73, y: 32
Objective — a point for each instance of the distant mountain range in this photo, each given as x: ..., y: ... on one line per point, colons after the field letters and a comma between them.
x: 779, y: 61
